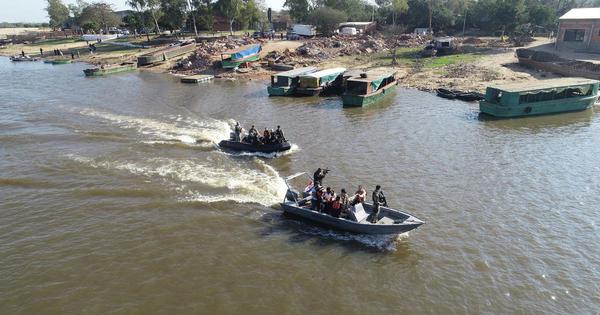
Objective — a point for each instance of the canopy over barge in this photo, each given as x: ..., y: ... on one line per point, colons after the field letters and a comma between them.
x: 285, y: 83
x: 368, y: 88
x: 321, y: 81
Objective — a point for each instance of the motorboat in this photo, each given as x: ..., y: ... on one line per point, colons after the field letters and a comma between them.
x: 389, y: 220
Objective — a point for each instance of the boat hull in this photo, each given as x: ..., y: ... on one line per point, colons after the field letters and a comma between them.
x: 165, y: 54
x: 539, y: 108
x: 350, y: 100
x: 96, y: 72
x: 267, y: 148
x: 347, y: 225
x: 58, y: 61
x: 309, y: 91
x: 230, y: 64
x: 280, y: 90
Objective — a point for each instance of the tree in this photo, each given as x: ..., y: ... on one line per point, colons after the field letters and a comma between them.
x: 204, y: 10
x: 230, y: 10
x: 101, y: 15
x: 398, y: 7
x: 174, y: 13
x: 299, y: 9
x: 327, y: 19
x: 58, y: 13
x: 250, y: 14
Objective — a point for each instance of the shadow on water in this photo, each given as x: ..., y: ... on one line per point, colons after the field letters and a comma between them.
x: 302, y: 231
x: 355, y: 114
x: 540, y: 123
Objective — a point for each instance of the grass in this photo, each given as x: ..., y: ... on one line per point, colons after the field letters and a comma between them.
x: 410, y: 56
x: 57, y: 41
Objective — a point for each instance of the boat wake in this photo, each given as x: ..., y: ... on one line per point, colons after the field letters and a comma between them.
x: 386, y: 242
x: 272, y: 155
x: 174, y: 129
x: 259, y: 184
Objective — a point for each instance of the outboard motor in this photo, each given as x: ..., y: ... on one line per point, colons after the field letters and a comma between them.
x: 291, y: 195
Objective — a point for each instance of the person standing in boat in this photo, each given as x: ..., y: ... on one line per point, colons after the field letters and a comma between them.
x: 344, y: 200
x: 378, y: 200
x: 279, y: 134
x: 319, y: 175
x: 237, y: 131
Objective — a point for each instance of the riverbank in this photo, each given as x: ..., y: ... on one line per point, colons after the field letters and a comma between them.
x: 480, y: 63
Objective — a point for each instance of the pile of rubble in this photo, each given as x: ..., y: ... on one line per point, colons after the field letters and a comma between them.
x: 324, y: 48
x: 208, y: 52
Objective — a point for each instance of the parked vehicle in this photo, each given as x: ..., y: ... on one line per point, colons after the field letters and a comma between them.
x: 304, y: 30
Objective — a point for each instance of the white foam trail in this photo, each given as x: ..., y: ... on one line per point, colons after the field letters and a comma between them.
x: 178, y: 128
x: 381, y: 242
x: 262, y: 185
x: 294, y: 148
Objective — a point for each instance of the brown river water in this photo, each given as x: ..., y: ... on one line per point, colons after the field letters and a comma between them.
x: 109, y: 205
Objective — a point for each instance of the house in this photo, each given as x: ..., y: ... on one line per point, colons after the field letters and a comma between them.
x: 579, y: 29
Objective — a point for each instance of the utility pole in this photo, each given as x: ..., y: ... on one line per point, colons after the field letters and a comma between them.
x: 464, y: 23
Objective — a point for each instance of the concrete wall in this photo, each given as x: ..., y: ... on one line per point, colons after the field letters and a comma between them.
x: 591, y: 39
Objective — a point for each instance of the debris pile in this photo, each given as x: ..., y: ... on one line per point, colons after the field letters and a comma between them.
x: 320, y: 49
x: 207, y: 52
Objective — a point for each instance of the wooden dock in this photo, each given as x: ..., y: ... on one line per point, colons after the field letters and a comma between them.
x: 197, y: 78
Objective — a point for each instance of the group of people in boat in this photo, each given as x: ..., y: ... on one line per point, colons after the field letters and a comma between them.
x: 253, y: 137
x: 327, y: 201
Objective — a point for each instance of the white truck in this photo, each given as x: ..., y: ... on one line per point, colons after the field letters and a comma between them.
x: 304, y: 30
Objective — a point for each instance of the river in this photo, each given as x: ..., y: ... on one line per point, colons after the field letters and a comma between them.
x: 108, y: 204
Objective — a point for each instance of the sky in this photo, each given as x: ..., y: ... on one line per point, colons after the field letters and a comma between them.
x: 33, y: 10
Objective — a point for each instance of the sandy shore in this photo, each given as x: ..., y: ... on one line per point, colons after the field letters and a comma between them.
x: 486, y: 67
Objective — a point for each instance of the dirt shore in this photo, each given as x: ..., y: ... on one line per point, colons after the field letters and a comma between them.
x: 475, y: 68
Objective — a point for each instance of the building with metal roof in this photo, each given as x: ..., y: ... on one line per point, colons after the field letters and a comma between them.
x: 579, y: 30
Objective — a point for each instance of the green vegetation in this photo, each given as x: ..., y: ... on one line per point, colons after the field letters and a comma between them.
x: 410, y: 57
x: 22, y: 24
x: 327, y: 19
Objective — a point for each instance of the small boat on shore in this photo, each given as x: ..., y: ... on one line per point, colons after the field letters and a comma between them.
x: 20, y: 58
x: 110, y: 69
x: 233, y: 59
x: 167, y: 53
x: 58, y: 61
x: 285, y: 83
x: 368, y: 88
x: 320, y: 82
x: 461, y: 95
x: 539, y: 98
x: 389, y: 221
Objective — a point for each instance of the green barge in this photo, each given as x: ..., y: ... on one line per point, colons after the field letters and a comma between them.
x: 539, y: 98
x: 320, y: 82
x: 368, y: 88
x: 285, y: 83
x: 110, y: 69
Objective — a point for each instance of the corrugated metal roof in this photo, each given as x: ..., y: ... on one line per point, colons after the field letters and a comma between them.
x: 325, y: 72
x: 542, y: 84
x: 582, y: 14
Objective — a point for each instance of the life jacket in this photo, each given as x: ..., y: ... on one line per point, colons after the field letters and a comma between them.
x: 336, y: 205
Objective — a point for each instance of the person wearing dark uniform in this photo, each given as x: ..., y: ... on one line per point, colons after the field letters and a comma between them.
x: 378, y: 199
x: 279, y: 134
x: 318, y: 177
x: 253, y: 134
x: 41, y: 52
